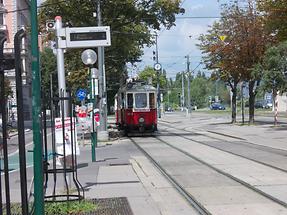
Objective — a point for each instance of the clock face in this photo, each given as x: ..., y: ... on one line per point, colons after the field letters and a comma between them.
x: 157, y: 66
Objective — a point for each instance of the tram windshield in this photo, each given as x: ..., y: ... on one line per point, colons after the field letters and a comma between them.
x: 140, y: 100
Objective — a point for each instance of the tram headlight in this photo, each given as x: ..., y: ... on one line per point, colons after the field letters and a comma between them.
x: 141, y: 120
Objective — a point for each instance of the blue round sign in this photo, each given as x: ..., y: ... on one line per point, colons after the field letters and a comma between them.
x: 81, y: 94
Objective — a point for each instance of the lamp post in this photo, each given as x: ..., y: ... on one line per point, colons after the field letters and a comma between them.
x: 89, y: 58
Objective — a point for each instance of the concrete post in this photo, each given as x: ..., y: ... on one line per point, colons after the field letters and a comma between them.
x: 60, y: 64
x: 102, y: 134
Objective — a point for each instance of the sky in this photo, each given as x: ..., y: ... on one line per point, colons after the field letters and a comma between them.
x: 181, y: 40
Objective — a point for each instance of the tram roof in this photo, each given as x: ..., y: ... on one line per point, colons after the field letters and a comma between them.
x: 138, y: 87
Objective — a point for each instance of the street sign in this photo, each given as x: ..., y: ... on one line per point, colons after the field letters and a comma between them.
x: 81, y: 94
x: 222, y: 38
x: 59, y: 124
x: 95, y: 87
x: 83, y: 37
x: 97, y: 119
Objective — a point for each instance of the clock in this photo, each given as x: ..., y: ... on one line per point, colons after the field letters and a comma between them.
x: 157, y: 66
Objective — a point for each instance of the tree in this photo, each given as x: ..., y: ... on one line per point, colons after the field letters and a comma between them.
x: 150, y: 73
x: 275, y: 17
x: 48, y: 68
x: 199, y: 91
x: 7, y: 88
x: 131, y: 22
x: 233, y: 60
x: 275, y: 67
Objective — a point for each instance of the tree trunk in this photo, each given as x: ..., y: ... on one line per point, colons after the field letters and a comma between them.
x: 252, y: 95
x: 233, y: 104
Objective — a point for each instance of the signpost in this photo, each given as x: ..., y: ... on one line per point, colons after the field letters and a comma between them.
x: 79, y: 37
x: 157, y: 67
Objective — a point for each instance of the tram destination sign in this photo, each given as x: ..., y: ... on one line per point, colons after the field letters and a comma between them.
x: 83, y: 37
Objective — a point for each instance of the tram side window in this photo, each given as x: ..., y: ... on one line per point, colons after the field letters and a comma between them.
x: 123, y: 100
x: 151, y: 101
x: 130, y: 100
x: 141, y: 100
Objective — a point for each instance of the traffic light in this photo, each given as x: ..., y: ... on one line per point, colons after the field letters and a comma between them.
x: 154, y: 56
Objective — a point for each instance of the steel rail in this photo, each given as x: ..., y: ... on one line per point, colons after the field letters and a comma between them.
x: 284, y: 204
x: 233, y: 153
x: 190, y: 199
x: 227, y: 135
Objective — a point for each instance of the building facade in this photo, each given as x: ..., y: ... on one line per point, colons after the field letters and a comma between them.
x: 14, y: 15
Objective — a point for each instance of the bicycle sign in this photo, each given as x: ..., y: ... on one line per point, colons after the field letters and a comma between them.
x: 81, y: 94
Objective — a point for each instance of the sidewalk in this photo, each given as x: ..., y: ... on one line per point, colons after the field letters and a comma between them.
x: 121, y: 171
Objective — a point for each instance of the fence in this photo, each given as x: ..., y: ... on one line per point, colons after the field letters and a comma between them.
x: 59, y: 144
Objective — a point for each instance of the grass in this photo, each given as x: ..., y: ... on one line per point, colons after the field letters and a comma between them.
x: 75, y: 207
x: 61, y: 208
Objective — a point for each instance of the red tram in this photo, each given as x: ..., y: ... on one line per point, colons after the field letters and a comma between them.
x: 135, y: 107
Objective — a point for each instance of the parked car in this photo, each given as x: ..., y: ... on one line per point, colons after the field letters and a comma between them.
x: 169, y: 109
x: 263, y: 104
x: 269, y: 104
x: 217, y: 106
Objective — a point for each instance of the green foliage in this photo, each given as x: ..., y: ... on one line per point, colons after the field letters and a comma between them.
x: 275, y: 65
x: 149, y: 73
x: 275, y: 17
x: 48, y: 68
x: 61, y: 208
x: 64, y: 208
x: 79, y: 79
x: 199, y: 90
x: 201, y: 87
x: 7, y: 88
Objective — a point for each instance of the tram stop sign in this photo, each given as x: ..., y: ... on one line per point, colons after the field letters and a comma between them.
x: 81, y: 94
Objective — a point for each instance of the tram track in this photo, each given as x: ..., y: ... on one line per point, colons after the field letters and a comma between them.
x: 279, y: 152
x: 191, y: 199
x: 226, y: 135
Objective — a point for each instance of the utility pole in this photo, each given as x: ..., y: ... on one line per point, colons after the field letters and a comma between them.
x: 182, y: 91
x: 102, y: 79
x: 157, y: 75
x: 188, y: 84
x: 37, y: 139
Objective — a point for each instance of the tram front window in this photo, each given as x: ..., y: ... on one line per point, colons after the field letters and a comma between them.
x: 141, y: 100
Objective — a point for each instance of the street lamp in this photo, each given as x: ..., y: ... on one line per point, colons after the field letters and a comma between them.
x: 89, y: 58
